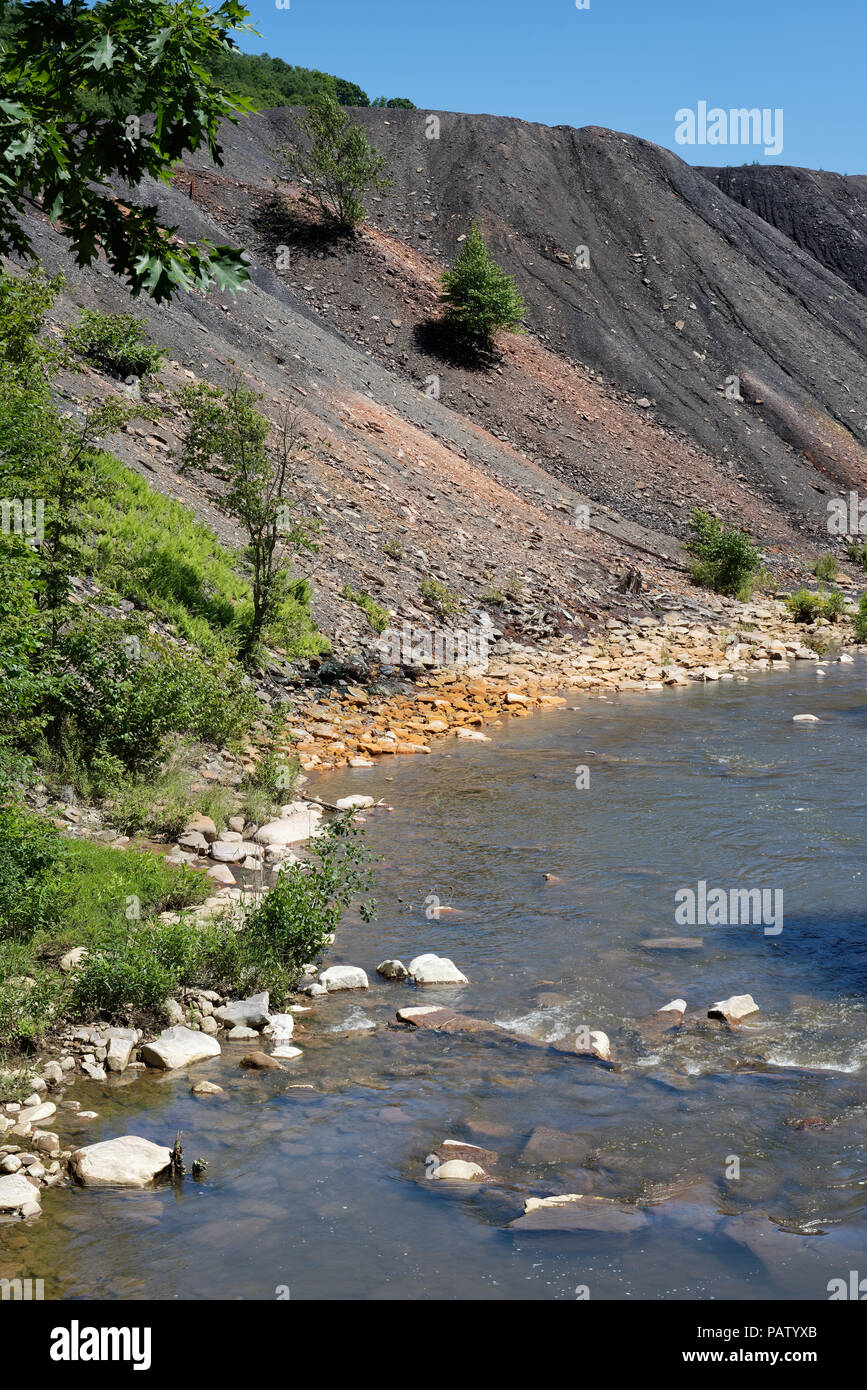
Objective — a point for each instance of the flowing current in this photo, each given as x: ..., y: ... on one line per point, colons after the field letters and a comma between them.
x: 316, y: 1183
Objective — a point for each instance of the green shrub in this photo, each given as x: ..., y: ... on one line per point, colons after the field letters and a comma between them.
x: 337, y: 162
x: 29, y: 1006
x: 834, y: 606
x: 804, y: 606
x: 25, y: 681
x: 439, y: 597
x: 725, y: 558
x: 30, y: 854
x: 377, y: 616
x: 115, y: 342
x: 292, y: 923
x: 478, y: 297
x: 133, y: 968
x: 125, y: 689
x: 272, y: 783
x: 861, y: 620
x: 825, y: 567
x: 856, y: 552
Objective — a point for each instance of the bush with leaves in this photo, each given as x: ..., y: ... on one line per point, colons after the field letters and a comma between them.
x: 227, y: 433
x: 725, y: 558
x: 119, y: 89
x: 294, y: 921
x: 806, y: 607
x: 123, y: 689
x: 30, y: 853
x: 336, y: 161
x: 478, y: 297
x: 116, y: 342
x: 133, y: 966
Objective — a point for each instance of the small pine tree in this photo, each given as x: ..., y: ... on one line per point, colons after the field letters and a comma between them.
x: 478, y: 297
x: 337, y: 161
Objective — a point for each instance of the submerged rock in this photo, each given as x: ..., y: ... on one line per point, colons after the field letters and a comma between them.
x: 392, y: 970
x: 430, y: 969
x: 673, y: 943
x: 129, y: 1161
x: 453, y: 1150
x: 259, y: 1061
x: 594, y: 1043
x: 576, y: 1212
x: 735, y: 1009
x: 547, y: 1145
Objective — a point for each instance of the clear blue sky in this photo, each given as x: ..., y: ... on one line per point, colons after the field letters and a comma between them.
x: 627, y: 64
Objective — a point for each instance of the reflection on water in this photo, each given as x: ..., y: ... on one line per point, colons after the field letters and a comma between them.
x: 315, y: 1175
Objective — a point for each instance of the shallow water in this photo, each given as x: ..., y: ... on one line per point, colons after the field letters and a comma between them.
x: 323, y: 1190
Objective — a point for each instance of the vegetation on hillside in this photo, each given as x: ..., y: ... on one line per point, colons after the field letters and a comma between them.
x: 724, y: 558
x: 117, y: 707
x: 336, y: 161
x: 478, y: 297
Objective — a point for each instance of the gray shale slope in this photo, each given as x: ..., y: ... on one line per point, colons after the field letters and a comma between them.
x: 614, y: 397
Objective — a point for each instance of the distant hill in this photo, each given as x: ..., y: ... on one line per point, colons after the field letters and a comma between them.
x: 265, y: 81
x: 269, y: 82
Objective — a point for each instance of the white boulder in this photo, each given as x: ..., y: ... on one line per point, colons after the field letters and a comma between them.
x: 458, y: 1169
x: 734, y: 1009
x: 392, y: 970
x: 179, y: 1047
x: 435, y: 970
x: 280, y: 1028
x: 338, y: 977
x: 126, y: 1162
x: 298, y: 822
x: 16, y: 1193
x: 246, y: 1013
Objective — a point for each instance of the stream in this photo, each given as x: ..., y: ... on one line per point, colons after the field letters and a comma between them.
x: 316, y: 1186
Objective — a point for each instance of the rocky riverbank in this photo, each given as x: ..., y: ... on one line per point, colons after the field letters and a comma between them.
x: 354, y: 726
x: 348, y: 725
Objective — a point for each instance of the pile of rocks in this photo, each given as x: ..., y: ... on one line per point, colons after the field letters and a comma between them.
x: 725, y: 640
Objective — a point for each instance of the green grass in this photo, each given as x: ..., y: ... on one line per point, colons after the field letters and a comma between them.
x: 377, y: 616
x: 153, y: 551
x: 75, y: 893
x: 441, y: 599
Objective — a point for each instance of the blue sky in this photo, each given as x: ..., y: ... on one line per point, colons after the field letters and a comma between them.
x: 621, y: 63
